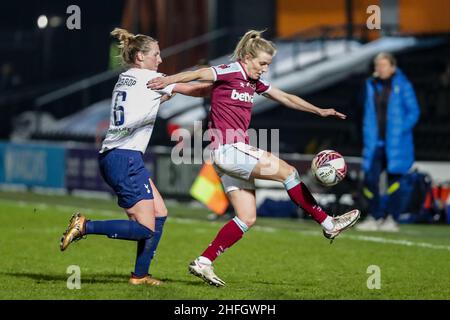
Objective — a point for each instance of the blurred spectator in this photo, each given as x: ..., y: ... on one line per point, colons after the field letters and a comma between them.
x: 8, y: 77
x: 390, y: 114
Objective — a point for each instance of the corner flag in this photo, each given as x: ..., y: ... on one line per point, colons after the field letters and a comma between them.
x: 207, y: 188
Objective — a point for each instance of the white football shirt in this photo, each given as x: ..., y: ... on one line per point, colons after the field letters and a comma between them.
x: 134, y: 108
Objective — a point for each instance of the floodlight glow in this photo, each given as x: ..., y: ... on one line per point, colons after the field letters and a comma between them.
x: 42, y: 21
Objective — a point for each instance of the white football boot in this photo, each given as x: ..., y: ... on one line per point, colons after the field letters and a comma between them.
x: 342, y: 223
x: 206, y: 273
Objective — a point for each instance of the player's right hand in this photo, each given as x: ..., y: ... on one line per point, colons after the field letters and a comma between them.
x: 158, y: 83
x: 332, y: 113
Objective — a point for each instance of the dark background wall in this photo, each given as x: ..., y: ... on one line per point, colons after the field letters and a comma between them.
x: 56, y: 52
x: 240, y: 16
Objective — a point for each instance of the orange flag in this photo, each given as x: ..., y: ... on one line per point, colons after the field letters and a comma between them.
x: 207, y: 189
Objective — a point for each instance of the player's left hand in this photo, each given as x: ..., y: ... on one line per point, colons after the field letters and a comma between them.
x: 332, y: 113
x: 158, y: 83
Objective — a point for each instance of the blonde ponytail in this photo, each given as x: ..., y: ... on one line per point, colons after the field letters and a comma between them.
x: 123, y: 36
x: 131, y: 44
x: 251, y: 44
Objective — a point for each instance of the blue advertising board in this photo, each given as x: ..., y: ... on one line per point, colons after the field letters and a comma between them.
x: 32, y: 165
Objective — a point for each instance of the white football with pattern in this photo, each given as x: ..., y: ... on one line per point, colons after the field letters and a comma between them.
x: 329, y: 167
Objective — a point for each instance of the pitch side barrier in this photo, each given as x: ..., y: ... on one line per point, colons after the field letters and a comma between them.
x: 74, y: 167
x: 65, y: 168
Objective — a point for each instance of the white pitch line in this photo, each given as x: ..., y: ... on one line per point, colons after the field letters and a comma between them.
x: 402, y: 242
x: 266, y: 229
x: 408, y: 243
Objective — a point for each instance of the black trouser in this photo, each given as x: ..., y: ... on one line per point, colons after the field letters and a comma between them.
x: 380, y: 206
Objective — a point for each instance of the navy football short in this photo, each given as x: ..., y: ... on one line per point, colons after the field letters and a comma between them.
x: 124, y: 171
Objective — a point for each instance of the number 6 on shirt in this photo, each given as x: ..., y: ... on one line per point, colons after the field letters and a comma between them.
x: 118, y: 111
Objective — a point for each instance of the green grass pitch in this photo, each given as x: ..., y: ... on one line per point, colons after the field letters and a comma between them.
x: 277, y: 259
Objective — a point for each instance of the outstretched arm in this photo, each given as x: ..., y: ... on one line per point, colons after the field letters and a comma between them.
x: 202, y: 90
x: 193, y: 89
x: 295, y: 102
x: 204, y: 74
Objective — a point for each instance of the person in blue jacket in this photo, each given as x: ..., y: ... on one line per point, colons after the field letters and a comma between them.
x: 390, y: 113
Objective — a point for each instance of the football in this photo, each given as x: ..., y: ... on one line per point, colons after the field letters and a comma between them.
x: 328, y: 167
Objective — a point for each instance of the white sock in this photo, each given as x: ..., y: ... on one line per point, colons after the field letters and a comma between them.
x: 204, y: 260
x: 327, y: 224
